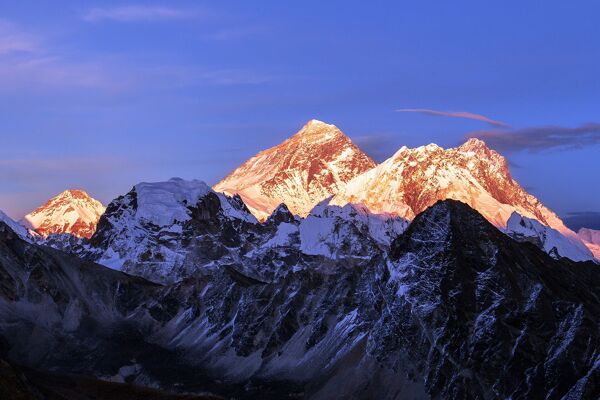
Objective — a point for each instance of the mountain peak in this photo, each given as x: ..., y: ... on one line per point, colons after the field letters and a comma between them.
x: 72, y: 211
x: 476, y: 146
x: 301, y: 171
x: 315, y: 130
x: 414, y: 179
x: 73, y: 193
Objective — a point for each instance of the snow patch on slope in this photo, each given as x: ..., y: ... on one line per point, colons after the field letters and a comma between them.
x: 164, y: 203
x: 550, y: 240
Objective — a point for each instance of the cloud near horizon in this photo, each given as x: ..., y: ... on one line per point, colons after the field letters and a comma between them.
x: 456, y: 114
x: 135, y: 13
x: 541, y: 138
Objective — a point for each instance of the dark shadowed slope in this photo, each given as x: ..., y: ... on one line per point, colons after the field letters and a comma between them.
x: 456, y: 309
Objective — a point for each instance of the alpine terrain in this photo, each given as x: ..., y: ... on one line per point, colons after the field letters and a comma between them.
x: 71, y: 212
x: 309, y: 272
x: 166, y: 231
x: 414, y: 179
x: 302, y: 171
x: 451, y: 308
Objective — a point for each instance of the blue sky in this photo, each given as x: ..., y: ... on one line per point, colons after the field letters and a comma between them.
x: 102, y: 95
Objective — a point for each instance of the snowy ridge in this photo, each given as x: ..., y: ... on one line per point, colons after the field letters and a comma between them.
x: 550, y: 240
x: 414, y: 179
x: 445, y: 312
x: 164, y: 203
x: 72, y: 211
x: 325, y: 229
x: 144, y: 231
x: 17, y: 228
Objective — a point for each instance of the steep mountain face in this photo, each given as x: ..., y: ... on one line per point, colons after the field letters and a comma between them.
x: 60, y: 314
x: 300, y: 172
x: 548, y: 239
x: 71, y: 212
x: 498, y: 318
x: 166, y: 231
x: 455, y: 309
x: 591, y: 238
x: 414, y: 179
x: 159, y: 230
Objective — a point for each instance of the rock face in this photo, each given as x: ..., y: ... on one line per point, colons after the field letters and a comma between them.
x: 414, y: 179
x: 451, y: 308
x: 166, y: 231
x: 300, y: 172
x: 159, y: 230
x: 71, y: 212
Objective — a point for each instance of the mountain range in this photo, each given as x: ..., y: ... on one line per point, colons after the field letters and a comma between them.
x: 320, y: 163
x: 452, y: 308
x: 308, y: 272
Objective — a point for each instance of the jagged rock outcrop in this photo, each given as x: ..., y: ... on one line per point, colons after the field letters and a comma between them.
x: 166, y: 231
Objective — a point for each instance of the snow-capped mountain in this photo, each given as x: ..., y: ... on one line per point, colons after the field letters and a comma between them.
x: 414, y: 179
x: 150, y: 230
x: 302, y: 171
x: 454, y: 309
x: 550, y: 240
x: 591, y: 238
x: 404, y: 185
x: 72, y: 212
x: 166, y: 231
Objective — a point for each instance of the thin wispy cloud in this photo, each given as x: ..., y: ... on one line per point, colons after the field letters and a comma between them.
x: 28, y: 61
x: 14, y: 40
x: 537, y: 139
x: 135, y: 13
x: 455, y: 114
